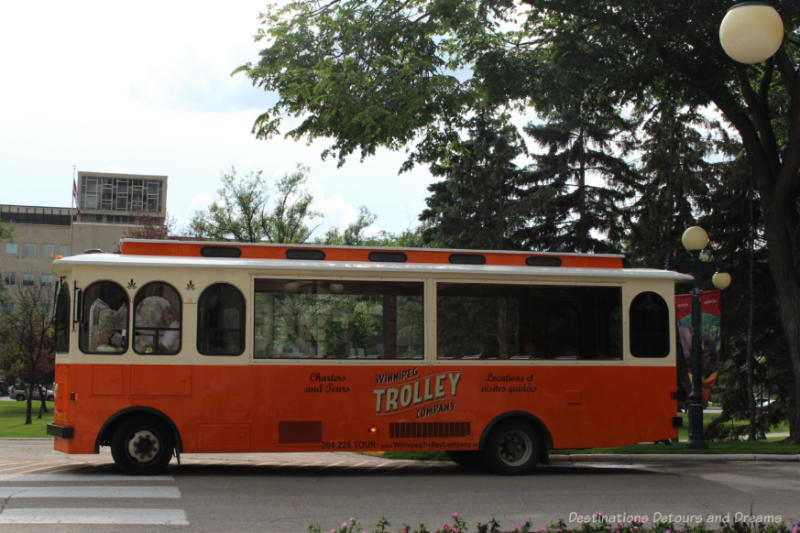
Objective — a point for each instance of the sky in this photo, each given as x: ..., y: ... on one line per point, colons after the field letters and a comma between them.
x: 146, y: 88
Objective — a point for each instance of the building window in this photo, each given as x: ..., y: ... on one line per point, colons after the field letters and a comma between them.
x: 46, y: 279
x: 220, y: 320
x: 104, y: 319
x: 90, y: 198
x: 48, y: 251
x: 157, y: 320
x: 28, y: 250
x: 28, y: 280
x: 10, y: 278
x: 12, y: 249
x: 64, y: 250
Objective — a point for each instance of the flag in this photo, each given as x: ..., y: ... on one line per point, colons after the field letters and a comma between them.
x: 710, y: 311
x: 75, y: 195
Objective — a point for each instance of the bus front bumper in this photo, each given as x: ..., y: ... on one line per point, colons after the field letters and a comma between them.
x: 62, y: 432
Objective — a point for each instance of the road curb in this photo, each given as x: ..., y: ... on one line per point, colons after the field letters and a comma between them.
x: 21, y: 444
x: 675, y: 457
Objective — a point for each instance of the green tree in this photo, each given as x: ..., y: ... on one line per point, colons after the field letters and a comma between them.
x: 368, y: 74
x: 480, y: 200
x: 581, y: 184
x: 642, y: 50
x: 243, y: 213
x: 287, y: 222
x: 674, y: 177
x: 238, y: 213
x: 26, y: 337
x: 753, y: 365
x: 353, y: 234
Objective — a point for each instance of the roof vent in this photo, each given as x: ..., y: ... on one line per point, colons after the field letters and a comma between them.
x: 468, y: 259
x: 220, y: 251
x: 388, y: 257
x: 543, y: 261
x: 303, y: 253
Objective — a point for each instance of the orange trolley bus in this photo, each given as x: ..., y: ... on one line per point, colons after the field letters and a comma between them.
x: 495, y: 357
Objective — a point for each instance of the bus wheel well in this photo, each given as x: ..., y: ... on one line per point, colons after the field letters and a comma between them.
x: 106, y: 434
x: 541, y: 429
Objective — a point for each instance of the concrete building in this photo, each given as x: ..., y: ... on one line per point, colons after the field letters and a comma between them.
x: 110, y: 206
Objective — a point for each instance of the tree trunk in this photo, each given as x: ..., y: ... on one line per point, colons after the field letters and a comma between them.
x: 787, y: 288
x: 28, y: 404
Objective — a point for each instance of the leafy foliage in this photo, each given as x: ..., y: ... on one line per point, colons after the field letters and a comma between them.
x: 674, y: 177
x: 26, y: 338
x: 243, y: 213
x: 598, y: 522
x: 366, y: 74
x: 581, y: 185
x: 393, y: 73
x: 480, y: 202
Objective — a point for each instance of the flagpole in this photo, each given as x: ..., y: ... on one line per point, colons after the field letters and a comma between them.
x: 74, y: 203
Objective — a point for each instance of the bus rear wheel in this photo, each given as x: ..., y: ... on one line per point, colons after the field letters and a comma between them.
x: 513, y: 448
x: 141, y: 446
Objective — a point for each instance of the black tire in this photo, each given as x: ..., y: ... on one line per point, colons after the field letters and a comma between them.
x: 20, y: 397
x: 142, y: 446
x: 512, y: 448
x: 468, y: 459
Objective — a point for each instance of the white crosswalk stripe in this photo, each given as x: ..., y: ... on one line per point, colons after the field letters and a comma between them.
x: 70, y: 515
x: 89, y: 492
x: 26, y: 489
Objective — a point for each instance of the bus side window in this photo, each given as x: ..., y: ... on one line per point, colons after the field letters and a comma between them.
x: 61, y: 319
x: 649, y: 322
x: 157, y: 320
x: 104, y: 320
x: 220, y: 321
x: 316, y: 319
x: 563, y: 331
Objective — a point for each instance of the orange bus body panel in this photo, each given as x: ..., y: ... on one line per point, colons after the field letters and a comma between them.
x: 358, y: 254
x: 266, y: 408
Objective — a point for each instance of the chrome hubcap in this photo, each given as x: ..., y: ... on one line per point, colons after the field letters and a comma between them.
x: 143, y: 446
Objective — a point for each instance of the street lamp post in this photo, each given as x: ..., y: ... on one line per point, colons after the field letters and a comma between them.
x: 694, y: 239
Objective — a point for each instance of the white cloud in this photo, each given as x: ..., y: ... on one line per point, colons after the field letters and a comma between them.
x: 197, y: 204
x: 336, y: 211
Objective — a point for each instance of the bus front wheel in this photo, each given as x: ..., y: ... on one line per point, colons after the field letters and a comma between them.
x: 513, y: 447
x: 141, y: 446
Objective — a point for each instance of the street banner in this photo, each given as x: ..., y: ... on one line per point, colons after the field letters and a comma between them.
x: 710, y: 312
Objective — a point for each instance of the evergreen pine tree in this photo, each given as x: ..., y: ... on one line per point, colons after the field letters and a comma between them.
x: 581, y: 181
x: 673, y: 178
x: 478, y: 203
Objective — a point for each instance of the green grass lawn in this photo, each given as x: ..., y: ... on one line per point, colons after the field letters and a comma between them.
x: 12, y: 420
x: 775, y: 446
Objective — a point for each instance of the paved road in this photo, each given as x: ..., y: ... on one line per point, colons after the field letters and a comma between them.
x: 282, y: 493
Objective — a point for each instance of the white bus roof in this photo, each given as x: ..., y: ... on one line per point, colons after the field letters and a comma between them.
x: 64, y: 265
